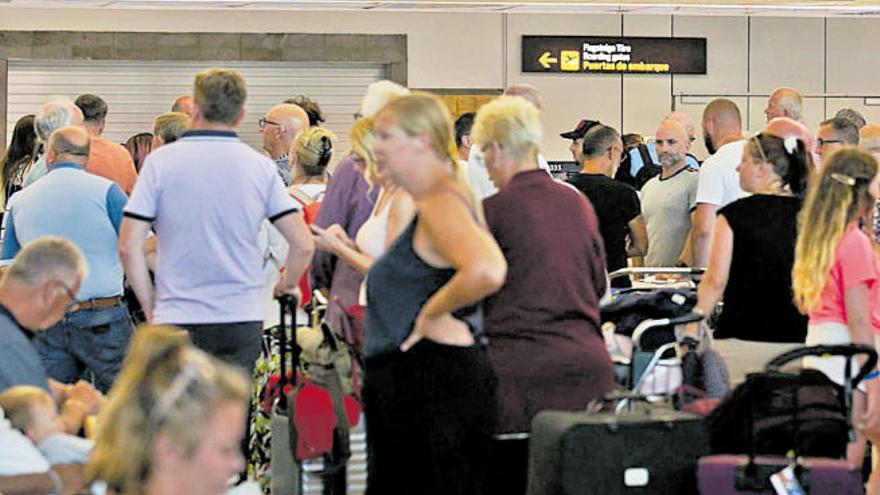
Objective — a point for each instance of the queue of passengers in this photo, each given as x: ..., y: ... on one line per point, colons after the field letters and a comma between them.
x: 481, y: 274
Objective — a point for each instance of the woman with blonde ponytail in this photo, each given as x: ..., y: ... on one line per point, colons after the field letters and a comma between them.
x: 174, y: 420
x: 429, y: 391
x: 836, y: 273
x: 310, y: 155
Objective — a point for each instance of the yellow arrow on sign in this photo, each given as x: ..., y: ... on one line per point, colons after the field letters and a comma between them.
x: 546, y: 60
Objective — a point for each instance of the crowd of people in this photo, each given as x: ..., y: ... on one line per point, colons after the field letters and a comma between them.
x: 481, y: 273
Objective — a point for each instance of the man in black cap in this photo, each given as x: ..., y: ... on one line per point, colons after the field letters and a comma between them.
x: 577, y: 138
x: 617, y: 204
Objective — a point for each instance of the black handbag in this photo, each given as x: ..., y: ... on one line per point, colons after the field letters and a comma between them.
x: 782, y: 411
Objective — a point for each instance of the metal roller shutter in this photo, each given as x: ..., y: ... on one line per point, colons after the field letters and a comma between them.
x: 136, y: 92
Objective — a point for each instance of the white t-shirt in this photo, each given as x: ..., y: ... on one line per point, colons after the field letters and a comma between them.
x: 719, y: 181
x: 17, y: 454
x: 479, y: 177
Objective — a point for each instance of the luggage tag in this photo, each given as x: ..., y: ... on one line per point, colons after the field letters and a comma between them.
x: 785, y: 482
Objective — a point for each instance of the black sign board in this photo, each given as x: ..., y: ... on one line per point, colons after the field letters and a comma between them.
x: 613, y: 55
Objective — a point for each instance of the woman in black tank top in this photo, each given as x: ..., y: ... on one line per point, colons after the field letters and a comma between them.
x: 429, y: 392
x: 752, y: 256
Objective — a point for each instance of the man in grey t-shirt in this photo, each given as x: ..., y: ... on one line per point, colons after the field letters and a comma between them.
x: 669, y: 198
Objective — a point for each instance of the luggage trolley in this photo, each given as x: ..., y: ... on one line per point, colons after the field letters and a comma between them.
x: 638, y: 328
x: 636, y: 367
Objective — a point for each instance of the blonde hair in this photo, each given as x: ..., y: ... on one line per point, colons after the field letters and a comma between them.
x: 423, y: 113
x: 510, y: 121
x: 165, y: 387
x: 361, y: 138
x: 220, y: 95
x: 835, y: 200
x: 313, y: 148
x: 18, y: 404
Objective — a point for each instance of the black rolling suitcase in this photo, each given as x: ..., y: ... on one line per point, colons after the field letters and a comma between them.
x: 651, y: 451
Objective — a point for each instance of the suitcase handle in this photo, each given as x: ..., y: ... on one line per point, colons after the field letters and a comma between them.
x: 847, y: 351
x: 286, y: 303
x: 646, y: 325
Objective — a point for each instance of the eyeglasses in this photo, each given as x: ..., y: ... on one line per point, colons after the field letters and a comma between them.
x: 263, y: 122
x: 822, y: 142
x: 71, y: 295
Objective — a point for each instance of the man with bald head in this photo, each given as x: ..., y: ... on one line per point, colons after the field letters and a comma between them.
x: 51, y: 116
x: 86, y: 209
x: 718, y: 183
x: 184, y: 104
x: 279, y: 128
x: 785, y: 102
x: 785, y: 127
x: 669, y: 198
x: 641, y: 173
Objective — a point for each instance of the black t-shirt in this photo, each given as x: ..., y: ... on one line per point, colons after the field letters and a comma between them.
x: 758, y: 300
x: 616, y: 204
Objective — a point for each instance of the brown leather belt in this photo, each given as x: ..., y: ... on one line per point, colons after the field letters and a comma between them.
x: 96, y: 303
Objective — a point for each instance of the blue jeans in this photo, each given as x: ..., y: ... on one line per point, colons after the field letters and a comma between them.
x: 93, y: 340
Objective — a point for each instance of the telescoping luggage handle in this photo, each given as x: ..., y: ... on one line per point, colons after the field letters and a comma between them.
x: 847, y: 351
x: 287, y: 303
x: 754, y: 477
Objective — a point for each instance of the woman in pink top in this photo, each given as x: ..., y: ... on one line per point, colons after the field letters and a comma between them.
x: 836, y: 274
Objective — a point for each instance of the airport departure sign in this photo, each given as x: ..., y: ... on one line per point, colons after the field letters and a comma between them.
x: 613, y: 55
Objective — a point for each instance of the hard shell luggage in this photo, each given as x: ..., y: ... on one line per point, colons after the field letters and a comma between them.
x: 782, y: 414
x: 651, y: 451
x: 728, y: 474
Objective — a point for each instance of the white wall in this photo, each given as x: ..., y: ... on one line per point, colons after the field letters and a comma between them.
x: 482, y: 51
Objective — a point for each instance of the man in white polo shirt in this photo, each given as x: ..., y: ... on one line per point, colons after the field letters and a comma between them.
x: 719, y: 181
x: 205, y: 196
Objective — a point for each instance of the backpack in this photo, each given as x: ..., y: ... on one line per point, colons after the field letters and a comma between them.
x: 637, y: 154
x: 310, y: 207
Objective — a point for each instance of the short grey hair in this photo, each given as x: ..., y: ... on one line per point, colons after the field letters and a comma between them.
x: 844, y: 128
x: 378, y: 94
x: 55, y: 115
x: 598, y: 140
x: 852, y: 115
x: 46, y: 258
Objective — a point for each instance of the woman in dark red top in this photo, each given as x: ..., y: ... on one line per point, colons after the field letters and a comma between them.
x: 543, y: 325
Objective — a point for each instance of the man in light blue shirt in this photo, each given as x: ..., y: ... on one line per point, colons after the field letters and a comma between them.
x: 87, y: 210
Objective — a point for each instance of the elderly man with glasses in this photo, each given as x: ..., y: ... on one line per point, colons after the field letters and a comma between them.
x: 68, y: 202
x: 279, y: 127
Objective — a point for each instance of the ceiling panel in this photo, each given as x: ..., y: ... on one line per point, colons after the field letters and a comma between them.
x: 825, y: 8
